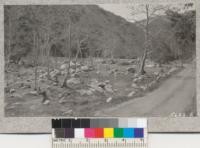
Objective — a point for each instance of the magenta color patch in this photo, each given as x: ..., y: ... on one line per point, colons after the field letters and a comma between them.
x: 89, y: 133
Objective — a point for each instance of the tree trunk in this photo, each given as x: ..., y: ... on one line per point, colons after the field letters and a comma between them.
x: 69, y: 63
x: 141, y: 70
x: 77, y: 53
x: 36, y: 58
x: 48, y: 57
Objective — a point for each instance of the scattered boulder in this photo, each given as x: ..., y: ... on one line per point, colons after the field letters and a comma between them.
x: 95, y: 85
x: 172, y: 70
x: 113, y: 71
x: 109, y: 99
x: 55, y: 73
x: 143, y: 88
x: 134, y: 85
x: 156, y: 73
x: 15, y: 95
x: 85, y: 68
x: 125, y: 63
x: 150, y: 85
x: 102, y: 85
x: 34, y: 93
x: 103, y: 62
x: 73, y: 81
x: 85, y: 92
x: 107, y: 81
x: 112, y: 61
x: 46, y: 102
x: 69, y: 112
x: 108, y: 88
x: 63, y: 66
x: 12, y: 90
x: 98, y: 72
x: 26, y: 86
x: 75, y: 75
x: 72, y: 71
x: 158, y: 78
x: 131, y: 70
x: 62, y: 100
x: 131, y: 94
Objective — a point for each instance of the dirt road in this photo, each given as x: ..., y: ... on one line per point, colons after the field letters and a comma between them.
x: 175, y: 95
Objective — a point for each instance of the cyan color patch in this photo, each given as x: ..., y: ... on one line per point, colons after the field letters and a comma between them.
x: 128, y: 133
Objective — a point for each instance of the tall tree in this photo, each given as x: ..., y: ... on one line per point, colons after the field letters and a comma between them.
x: 149, y: 12
x: 184, y: 31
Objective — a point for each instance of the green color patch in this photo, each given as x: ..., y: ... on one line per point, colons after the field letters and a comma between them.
x: 118, y: 132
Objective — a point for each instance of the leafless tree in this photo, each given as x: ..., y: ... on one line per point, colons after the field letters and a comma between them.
x: 149, y: 12
x: 69, y: 55
x: 36, y: 55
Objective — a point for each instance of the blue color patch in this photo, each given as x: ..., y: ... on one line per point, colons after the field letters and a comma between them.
x: 128, y: 132
x: 139, y: 132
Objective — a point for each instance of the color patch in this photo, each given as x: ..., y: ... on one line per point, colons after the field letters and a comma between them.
x: 76, y: 123
x: 69, y: 133
x: 99, y: 132
x: 66, y: 123
x: 79, y: 133
x: 123, y: 122
x: 56, y: 123
x: 108, y: 133
x: 128, y: 133
x: 139, y: 132
x: 85, y: 123
x: 59, y: 133
x: 89, y: 133
x: 118, y: 132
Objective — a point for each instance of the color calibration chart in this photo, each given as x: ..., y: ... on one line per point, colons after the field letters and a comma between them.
x: 99, y: 133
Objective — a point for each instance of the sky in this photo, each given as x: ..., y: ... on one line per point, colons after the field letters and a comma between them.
x: 118, y: 9
x: 124, y: 10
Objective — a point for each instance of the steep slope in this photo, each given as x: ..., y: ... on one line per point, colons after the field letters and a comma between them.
x: 104, y: 31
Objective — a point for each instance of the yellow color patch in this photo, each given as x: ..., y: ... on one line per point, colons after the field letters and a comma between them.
x: 108, y: 132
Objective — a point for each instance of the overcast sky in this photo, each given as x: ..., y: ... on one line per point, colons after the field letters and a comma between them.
x: 124, y: 10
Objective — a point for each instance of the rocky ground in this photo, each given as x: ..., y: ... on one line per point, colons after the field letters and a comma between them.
x: 102, y: 84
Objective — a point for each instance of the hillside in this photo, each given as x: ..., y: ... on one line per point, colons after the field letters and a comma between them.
x: 105, y: 31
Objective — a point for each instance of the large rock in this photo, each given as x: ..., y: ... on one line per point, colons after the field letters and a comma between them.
x: 12, y: 90
x: 172, y: 70
x: 131, y: 70
x: 108, y: 88
x: 75, y: 75
x: 86, y: 68
x: 134, y: 85
x: 73, y: 81
x: 86, y: 92
x: 95, y: 85
x: 109, y: 99
x: 15, y: 95
x: 46, y: 102
x: 55, y: 73
x: 63, y: 66
x: 131, y: 94
x: 125, y: 63
x: 143, y: 88
x: 34, y: 93
x: 62, y: 100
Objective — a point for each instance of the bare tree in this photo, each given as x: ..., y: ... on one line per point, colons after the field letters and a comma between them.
x: 77, y: 53
x: 35, y: 44
x: 149, y: 12
x: 69, y: 55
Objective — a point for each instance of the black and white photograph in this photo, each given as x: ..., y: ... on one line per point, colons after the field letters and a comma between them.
x: 115, y: 60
